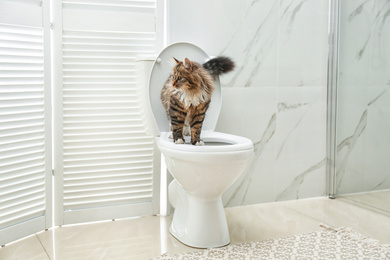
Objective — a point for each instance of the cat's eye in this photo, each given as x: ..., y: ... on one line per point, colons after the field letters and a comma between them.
x: 179, y: 78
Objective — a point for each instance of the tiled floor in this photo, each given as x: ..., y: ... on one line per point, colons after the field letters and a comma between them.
x: 147, y: 237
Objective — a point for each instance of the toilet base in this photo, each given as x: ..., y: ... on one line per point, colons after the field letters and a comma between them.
x: 197, y: 222
x: 190, y: 244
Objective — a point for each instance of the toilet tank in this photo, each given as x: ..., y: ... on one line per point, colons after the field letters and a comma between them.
x: 143, y: 68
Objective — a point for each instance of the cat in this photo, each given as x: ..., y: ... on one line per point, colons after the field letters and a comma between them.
x: 186, y: 95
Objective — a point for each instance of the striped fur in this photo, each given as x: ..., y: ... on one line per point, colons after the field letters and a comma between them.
x: 186, y: 97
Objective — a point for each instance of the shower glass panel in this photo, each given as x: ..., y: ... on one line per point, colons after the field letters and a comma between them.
x: 362, y: 152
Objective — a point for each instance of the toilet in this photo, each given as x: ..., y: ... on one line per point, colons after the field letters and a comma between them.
x: 201, y: 173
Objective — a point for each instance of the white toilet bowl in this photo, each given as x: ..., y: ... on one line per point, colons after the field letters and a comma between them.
x: 201, y: 173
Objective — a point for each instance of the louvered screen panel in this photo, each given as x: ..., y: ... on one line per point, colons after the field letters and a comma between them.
x: 22, y: 128
x: 107, y: 158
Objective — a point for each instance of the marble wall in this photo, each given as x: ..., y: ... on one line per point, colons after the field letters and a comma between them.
x: 277, y: 94
x: 363, y: 123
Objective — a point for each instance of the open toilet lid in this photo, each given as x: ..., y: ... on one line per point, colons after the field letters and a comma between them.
x: 161, y: 70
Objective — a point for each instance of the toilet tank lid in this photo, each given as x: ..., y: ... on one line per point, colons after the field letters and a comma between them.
x: 161, y: 70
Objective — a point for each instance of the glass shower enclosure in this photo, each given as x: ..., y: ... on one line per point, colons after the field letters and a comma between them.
x: 359, y: 100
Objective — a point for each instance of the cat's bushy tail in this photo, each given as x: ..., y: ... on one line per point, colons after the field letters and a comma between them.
x: 219, y: 65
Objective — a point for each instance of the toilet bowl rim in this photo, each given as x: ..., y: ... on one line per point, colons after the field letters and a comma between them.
x: 235, y: 143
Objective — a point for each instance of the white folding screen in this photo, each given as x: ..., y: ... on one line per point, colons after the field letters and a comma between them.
x: 105, y: 165
x: 25, y: 119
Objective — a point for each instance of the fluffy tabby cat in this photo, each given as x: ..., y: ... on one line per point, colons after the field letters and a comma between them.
x: 187, y: 93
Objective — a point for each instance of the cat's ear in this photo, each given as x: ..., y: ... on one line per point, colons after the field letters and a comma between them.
x: 177, y: 61
x: 187, y: 63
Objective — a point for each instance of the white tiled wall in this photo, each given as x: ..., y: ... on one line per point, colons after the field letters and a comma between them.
x: 277, y: 94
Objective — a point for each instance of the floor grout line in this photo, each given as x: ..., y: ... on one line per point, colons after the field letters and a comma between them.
x: 44, y: 248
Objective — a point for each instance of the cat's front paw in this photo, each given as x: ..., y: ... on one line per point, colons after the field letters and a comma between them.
x: 199, y: 143
x: 170, y: 135
x: 179, y: 141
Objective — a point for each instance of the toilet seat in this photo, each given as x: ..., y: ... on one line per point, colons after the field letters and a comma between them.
x: 214, y: 142
x: 160, y: 72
